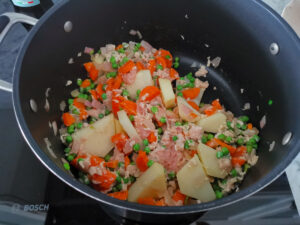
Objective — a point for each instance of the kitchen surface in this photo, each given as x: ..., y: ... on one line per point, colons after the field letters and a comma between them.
x: 30, y: 194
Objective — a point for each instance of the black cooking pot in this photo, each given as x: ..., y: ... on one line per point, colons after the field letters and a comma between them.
x: 260, y: 54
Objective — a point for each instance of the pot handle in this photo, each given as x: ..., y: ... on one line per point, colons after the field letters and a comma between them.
x: 7, y: 20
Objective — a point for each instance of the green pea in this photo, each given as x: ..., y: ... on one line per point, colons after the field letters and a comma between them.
x: 70, y: 157
x: 219, y: 155
x: 204, y: 139
x: 182, y: 78
x: 163, y: 119
x: 186, y: 144
x: 245, y: 119
x: 119, y: 179
x: 180, y: 94
x: 107, y: 112
x: 221, y: 137
x: 124, y: 60
x: 88, y: 88
x: 121, y: 50
x: 67, y: 150
x: 228, y: 123
x: 70, y: 101
x: 174, y: 138
x: 125, y: 92
x: 171, y: 175
x: 82, y: 90
x: 254, y: 146
x: 176, y: 59
x: 79, y: 125
x: 191, y: 85
x: 132, y: 179
x: 112, y: 59
x: 138, y: 93
x: 147, y: 150
x: 218, y: 194
x: 249, y: 148
x: 79, y: 82
x: 225, y: 151
x: 179, y: 87
x: 70, y: 129
x: 83, y: 96
x: 101, y: 115
x: 93, y: 85
x: 270, y: 102
x: 125, y: 180
x: 69, y: 139
x: 67, y: 166
x: 111, y: 74
x: 160, y: 130
x: 131, y: 117
x: 136, y: 147
x: 159, y: 67
x: 210, y: 136
x: 168, y: 57
x: 176, y: 65
x: 228, y: 139
x: 146, y: 142
x: 246, y: 167
x: 233, y: 173
x: 150, y: 163
x: 107, y: 158
x: 240, y: 141
x: 120, y: 164
x: 256, y: 137
x: 119, y: 187
x: 104, y: 96
x: 154, y: 109
x: 75, y: 111
x: 177, y: 123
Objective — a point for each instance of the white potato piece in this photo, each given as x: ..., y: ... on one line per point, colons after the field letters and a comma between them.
x: 199, y: 97
x: 209, y: 161
x: 143, y: 79
x: 187, y: 112
x: 152, y: 183
x: 118, y: 127
x: 193, y: 181
x: 167, y: 92
x: 127, y: 125
x: 95, y: 139
x: 212, y: 123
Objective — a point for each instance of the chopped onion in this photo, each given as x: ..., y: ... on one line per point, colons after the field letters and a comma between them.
x: 62, y: 105
x: 50, y: 124
x: 48, y: 146
x: 69, y: 82
x: 206, y: 45
x: 71, y: 61
x: 54, y: 127
x: 201, y: 72
x: 216, y: 61
x: 186, y: 16
x: 182, y: 37
x: 272, y: 145
x: 33, y: 105
x: 139, y: 34
x: 246, y: 106
x: 47, y: 92
x: 47, y: 105
x: 257, y: 107
x: 132, y: 32
x: 79, y: 54
x: 242, y: 90
x: 208, y: 61
x: 263, y: 122
x: 215, y: 88
x: 75, y: 93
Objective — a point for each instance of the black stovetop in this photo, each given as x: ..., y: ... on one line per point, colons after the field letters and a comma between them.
x: 29, y: 194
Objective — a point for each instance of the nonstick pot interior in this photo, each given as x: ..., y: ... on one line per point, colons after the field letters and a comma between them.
x: 240, y: 32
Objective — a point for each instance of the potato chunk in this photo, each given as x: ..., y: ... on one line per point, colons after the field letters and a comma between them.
x: 167, y: 92
x: 143, y: 79
x: 210, y: 162
x: 95, y: 139
x: 118, y: 127
x: 152, y: 183
x: 193, y: 181
x: 127, y: 125
x: 212, y: 123
x: 187, y: 112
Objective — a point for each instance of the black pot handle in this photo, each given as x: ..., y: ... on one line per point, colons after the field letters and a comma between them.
x: 7, y: 20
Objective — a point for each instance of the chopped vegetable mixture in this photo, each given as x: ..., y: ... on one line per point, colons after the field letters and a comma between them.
x: 136, y: 130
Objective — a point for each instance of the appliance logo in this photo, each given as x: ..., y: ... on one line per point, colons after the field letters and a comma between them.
x: 26, y: 3
x: 30, y: 208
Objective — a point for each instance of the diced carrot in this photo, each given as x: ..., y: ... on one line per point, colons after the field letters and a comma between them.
x: 152, y: 137
x: 121, y: 195
x: 237, y: 161
x: 192, y: 152
x: 75, y: 161
x: 161, y: 61
x: 151, y: 66
x: 150, y: 201
x: 212, y: 143
x: 129, y: 106
x: 141, y: 161
x: 115, y: 103
x: 94, y: 94
x: 216, y: 104
x: 112, y: 164
x: 165, y: 54
x: 240, y: 151
x: 148, y: 93
x: 96, y: 160
x: 142, y: 48
x: 139, y: 66
x: 117, y: 82
x: 194, y: 105
x: 105, y: 181
x: 210, y: 111
x: 119, y: 47
x: 119, y: 140
x: 68, y: 119
x: 110, y: 84
x: 178, y: 196
x: 94, y: 73
x: 126, y: 161
x: 85, y: 83
x: 191, y: 93
x: 223, y: 144
x: 193, y: 115
x: 173, y: 74
x: 88, y: 66
x: 78, y: 105
x: 250, y: 126
x: 127, y: 67
x: 83, y: 114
